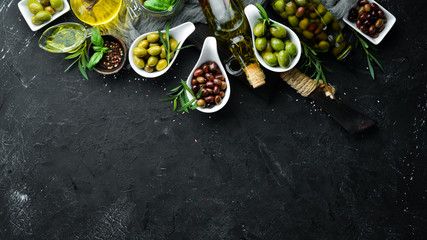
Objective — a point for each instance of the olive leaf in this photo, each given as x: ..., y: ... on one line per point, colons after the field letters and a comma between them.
x: 180, y: 94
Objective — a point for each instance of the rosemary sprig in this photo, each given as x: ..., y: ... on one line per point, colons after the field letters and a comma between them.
x: 167, y: 45
x: 82, y: 59
x: 369, y: 56
x: 312, y: 60
x: 179, y: 94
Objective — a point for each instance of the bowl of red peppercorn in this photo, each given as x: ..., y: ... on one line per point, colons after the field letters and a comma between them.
x: 113, y: 60
x: 208, y: 80
x: 370, y: 19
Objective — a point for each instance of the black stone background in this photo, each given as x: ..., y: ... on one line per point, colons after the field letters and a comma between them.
x: 105, y: 159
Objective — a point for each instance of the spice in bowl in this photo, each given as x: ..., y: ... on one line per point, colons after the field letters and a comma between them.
x: 112, y: 58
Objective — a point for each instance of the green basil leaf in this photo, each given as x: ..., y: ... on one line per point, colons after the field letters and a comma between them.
x: 97, y: 48
x: 96, y: 57
x: 96, y: 38
x: 156, y: 5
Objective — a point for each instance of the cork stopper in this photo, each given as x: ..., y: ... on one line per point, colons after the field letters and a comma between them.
x: 255, y: 75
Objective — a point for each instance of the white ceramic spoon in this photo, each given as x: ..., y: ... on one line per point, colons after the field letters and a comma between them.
x: 209, y: 53
x: 252, y: 14
x: 180, y: 33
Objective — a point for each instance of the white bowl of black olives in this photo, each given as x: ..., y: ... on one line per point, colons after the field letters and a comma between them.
x: 370, y: 19
x: 209, y: 80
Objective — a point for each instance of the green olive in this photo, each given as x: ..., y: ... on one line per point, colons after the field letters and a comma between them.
x: 259, y: 30
x: 307, y: 34
x: 163, y: 52
x: 268, y: 48
x: 161, y: 64
x: 301, y: 3
x: 148, y: 69
x: 261, y: 43
x: 34, y: 21
x: 152, y: 61
x: 321, y: 9
x: 291, y: 8
x: 154, y: 50
x: 43, y: 16
x: 293, y: 21
x: 278, y: 32
x: 164, y: 37
x: 323, y: 45
x: 35, y: 7
x: 153, y: 44
x: 57, y: 4
x: 284, y: 59
x: 291, y: 49
x: 153, y: 37
x: 50, y: 9
x: 284, y: 15
x: 139, y: 52
x: 173, y: 44
x: 139, y: 62
x: 328, y: 17
x: 45, y: 2
x: 279, y: 6
x: 270, y: 59
x: 277, y: 44
x: 143, y: 44
x: 303, y: 24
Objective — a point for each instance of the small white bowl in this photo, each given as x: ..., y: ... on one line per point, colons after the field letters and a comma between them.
x: 252, y: 14
x: 179, y: 33
x: 22, y: 5
x: 391, y: 20
x: 209, y: 53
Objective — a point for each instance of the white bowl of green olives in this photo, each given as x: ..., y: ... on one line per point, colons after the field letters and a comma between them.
x: 39, y: 13
x: 147, y: 53
x: 282, y: 51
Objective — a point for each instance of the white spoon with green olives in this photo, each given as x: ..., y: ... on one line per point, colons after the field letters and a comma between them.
x: 179, y: 33
x: 279, y: 54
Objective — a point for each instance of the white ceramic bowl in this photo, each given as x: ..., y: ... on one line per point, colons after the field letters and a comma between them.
x: 252, y: 14
x: 391, y: 20
x: 209, y: 53
x: 179, y: 33
x: 22, y: 5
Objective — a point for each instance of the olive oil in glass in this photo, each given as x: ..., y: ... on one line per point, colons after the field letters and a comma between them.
x: 228, y: 24
x: 62, y: 38
x: 96, y: 12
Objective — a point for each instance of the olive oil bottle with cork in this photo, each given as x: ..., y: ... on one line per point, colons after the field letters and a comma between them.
x: 228, y: 24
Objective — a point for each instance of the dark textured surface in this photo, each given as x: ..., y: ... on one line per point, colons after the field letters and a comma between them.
x: 105, y: 159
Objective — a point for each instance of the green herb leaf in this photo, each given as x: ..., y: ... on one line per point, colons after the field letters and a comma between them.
x: 83, y: 70
x: 175, y: 104
x: 96, y: 57
x: 68, y: 68
x: 156, y: 5
x: 371, y: 69
x: 74, y: 55
x: 96, y: 38
x: 105, y: 49
x: 97, y: 48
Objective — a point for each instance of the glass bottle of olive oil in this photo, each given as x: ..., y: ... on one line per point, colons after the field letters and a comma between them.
x: 96, y: 12
x: 228, y: 24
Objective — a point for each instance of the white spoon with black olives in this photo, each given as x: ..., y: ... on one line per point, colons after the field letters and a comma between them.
x: 209, y: 79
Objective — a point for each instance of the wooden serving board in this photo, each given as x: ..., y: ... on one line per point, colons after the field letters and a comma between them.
x: 351, y: 120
